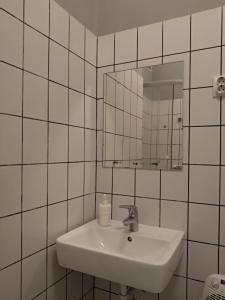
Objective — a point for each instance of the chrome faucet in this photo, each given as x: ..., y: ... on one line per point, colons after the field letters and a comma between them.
x: 132, y: 219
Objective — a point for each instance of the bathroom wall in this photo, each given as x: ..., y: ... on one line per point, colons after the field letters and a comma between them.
x: 47, y: 146
x: 192, y: 199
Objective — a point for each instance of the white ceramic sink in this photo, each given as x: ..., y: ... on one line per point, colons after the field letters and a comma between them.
x: 147, y: 262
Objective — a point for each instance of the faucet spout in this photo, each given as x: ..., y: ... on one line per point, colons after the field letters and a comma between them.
x: 132, y: 219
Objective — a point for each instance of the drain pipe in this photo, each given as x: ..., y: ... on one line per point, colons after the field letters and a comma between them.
x: 126, y: 293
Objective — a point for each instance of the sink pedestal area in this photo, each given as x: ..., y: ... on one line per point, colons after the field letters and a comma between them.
x: 144, y: 260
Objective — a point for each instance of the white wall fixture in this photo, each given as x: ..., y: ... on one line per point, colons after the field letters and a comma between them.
x: 219, y: 86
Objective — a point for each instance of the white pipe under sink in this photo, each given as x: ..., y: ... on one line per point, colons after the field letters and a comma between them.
x: 126, y: 293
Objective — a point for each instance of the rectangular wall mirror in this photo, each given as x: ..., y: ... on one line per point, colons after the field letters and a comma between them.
x: 143, y: 118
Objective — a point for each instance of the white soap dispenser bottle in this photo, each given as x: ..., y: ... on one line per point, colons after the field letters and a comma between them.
x: 104, y: 212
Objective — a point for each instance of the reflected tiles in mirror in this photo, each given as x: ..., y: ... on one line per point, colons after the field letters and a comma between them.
x: 143, y: 117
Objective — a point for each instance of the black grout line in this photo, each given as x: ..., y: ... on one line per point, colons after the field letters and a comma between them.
x: 189, y: 120
x: 220, y: 143
x: 22, y: 129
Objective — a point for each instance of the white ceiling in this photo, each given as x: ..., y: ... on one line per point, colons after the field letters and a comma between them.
x: 107, y: 16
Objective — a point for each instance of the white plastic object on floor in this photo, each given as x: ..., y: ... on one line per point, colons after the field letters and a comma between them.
x: 214, y: 288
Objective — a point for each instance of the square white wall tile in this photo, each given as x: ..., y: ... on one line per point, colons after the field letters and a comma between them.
x: 106, y: 50
x: 101, y: 295
x: 147, y: 183
x: 100, y: 114
x: 195, y: 289
x: 125, y: 176
x: 41, y: 297
x: 76, y: 73
x: 11, y: 36
x: 147, y: 34
x: 34, y: 141
x: 77, y: 34
x: 175, y: 185
x: 55, y: 271
x: 148, y: 211
x: 58, y: 103
x: 126, y: 40
x: 57, y: 183
x: 58, y: 143
x: 10, y: 234
x: 76, y: 144
x: 76, y: 178
x: 35, y: 97
x: 222, y: 226
x: 88, y: 282
x: 176, y: 289
x: 76, y: 108
x: 34, y: 230
x: 11, y: 277
x: 91, y: 47
x: 11, y: 94
x: 10, y: 190
x: 59, y: 23
x: 104, y: 179
x: 185, y: 106
x: 75, y: 213
x: 203, y: 223
x: 34, y: 186
x: 182, y: 265
x: 150, y: 62
x: 90, y: 80
x: 90, y: 112
x: 223, y: 146
x: 185, y: 57
x: 57, y: 291
x: 74, y: 285
x: 205, y: 64
x: 222, y: 260
x: 11, y: 139
x: 58, y: 63
x: 89, y: 185
x: 90, y: 145
x: 100, y: 79
x: 35, y: 52
x: 198, y: 266
x: 174, y: 215
x: 89, y: 207
x: 206, y: 29
x: 117, y: 212
x: 205, y: 110
x: 34, y: 275
x: 125, y: 66
x: 14, y: 7
x: 222, y: 187
x: 176, y: 35
x: 204, y: 184
x: 33, y: 10
x: 204, y: 145
x: 57, y: 221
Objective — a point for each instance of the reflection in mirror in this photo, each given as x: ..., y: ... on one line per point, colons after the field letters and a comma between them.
x: 143, y: 120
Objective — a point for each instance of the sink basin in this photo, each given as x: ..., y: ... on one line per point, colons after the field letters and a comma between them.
x: 144, y: 260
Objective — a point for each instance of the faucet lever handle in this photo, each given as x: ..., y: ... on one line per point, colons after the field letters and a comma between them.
x: 133, y: 210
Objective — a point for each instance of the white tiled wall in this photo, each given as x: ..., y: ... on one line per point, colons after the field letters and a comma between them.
x: 48, y: 146
x: 192, y: 199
